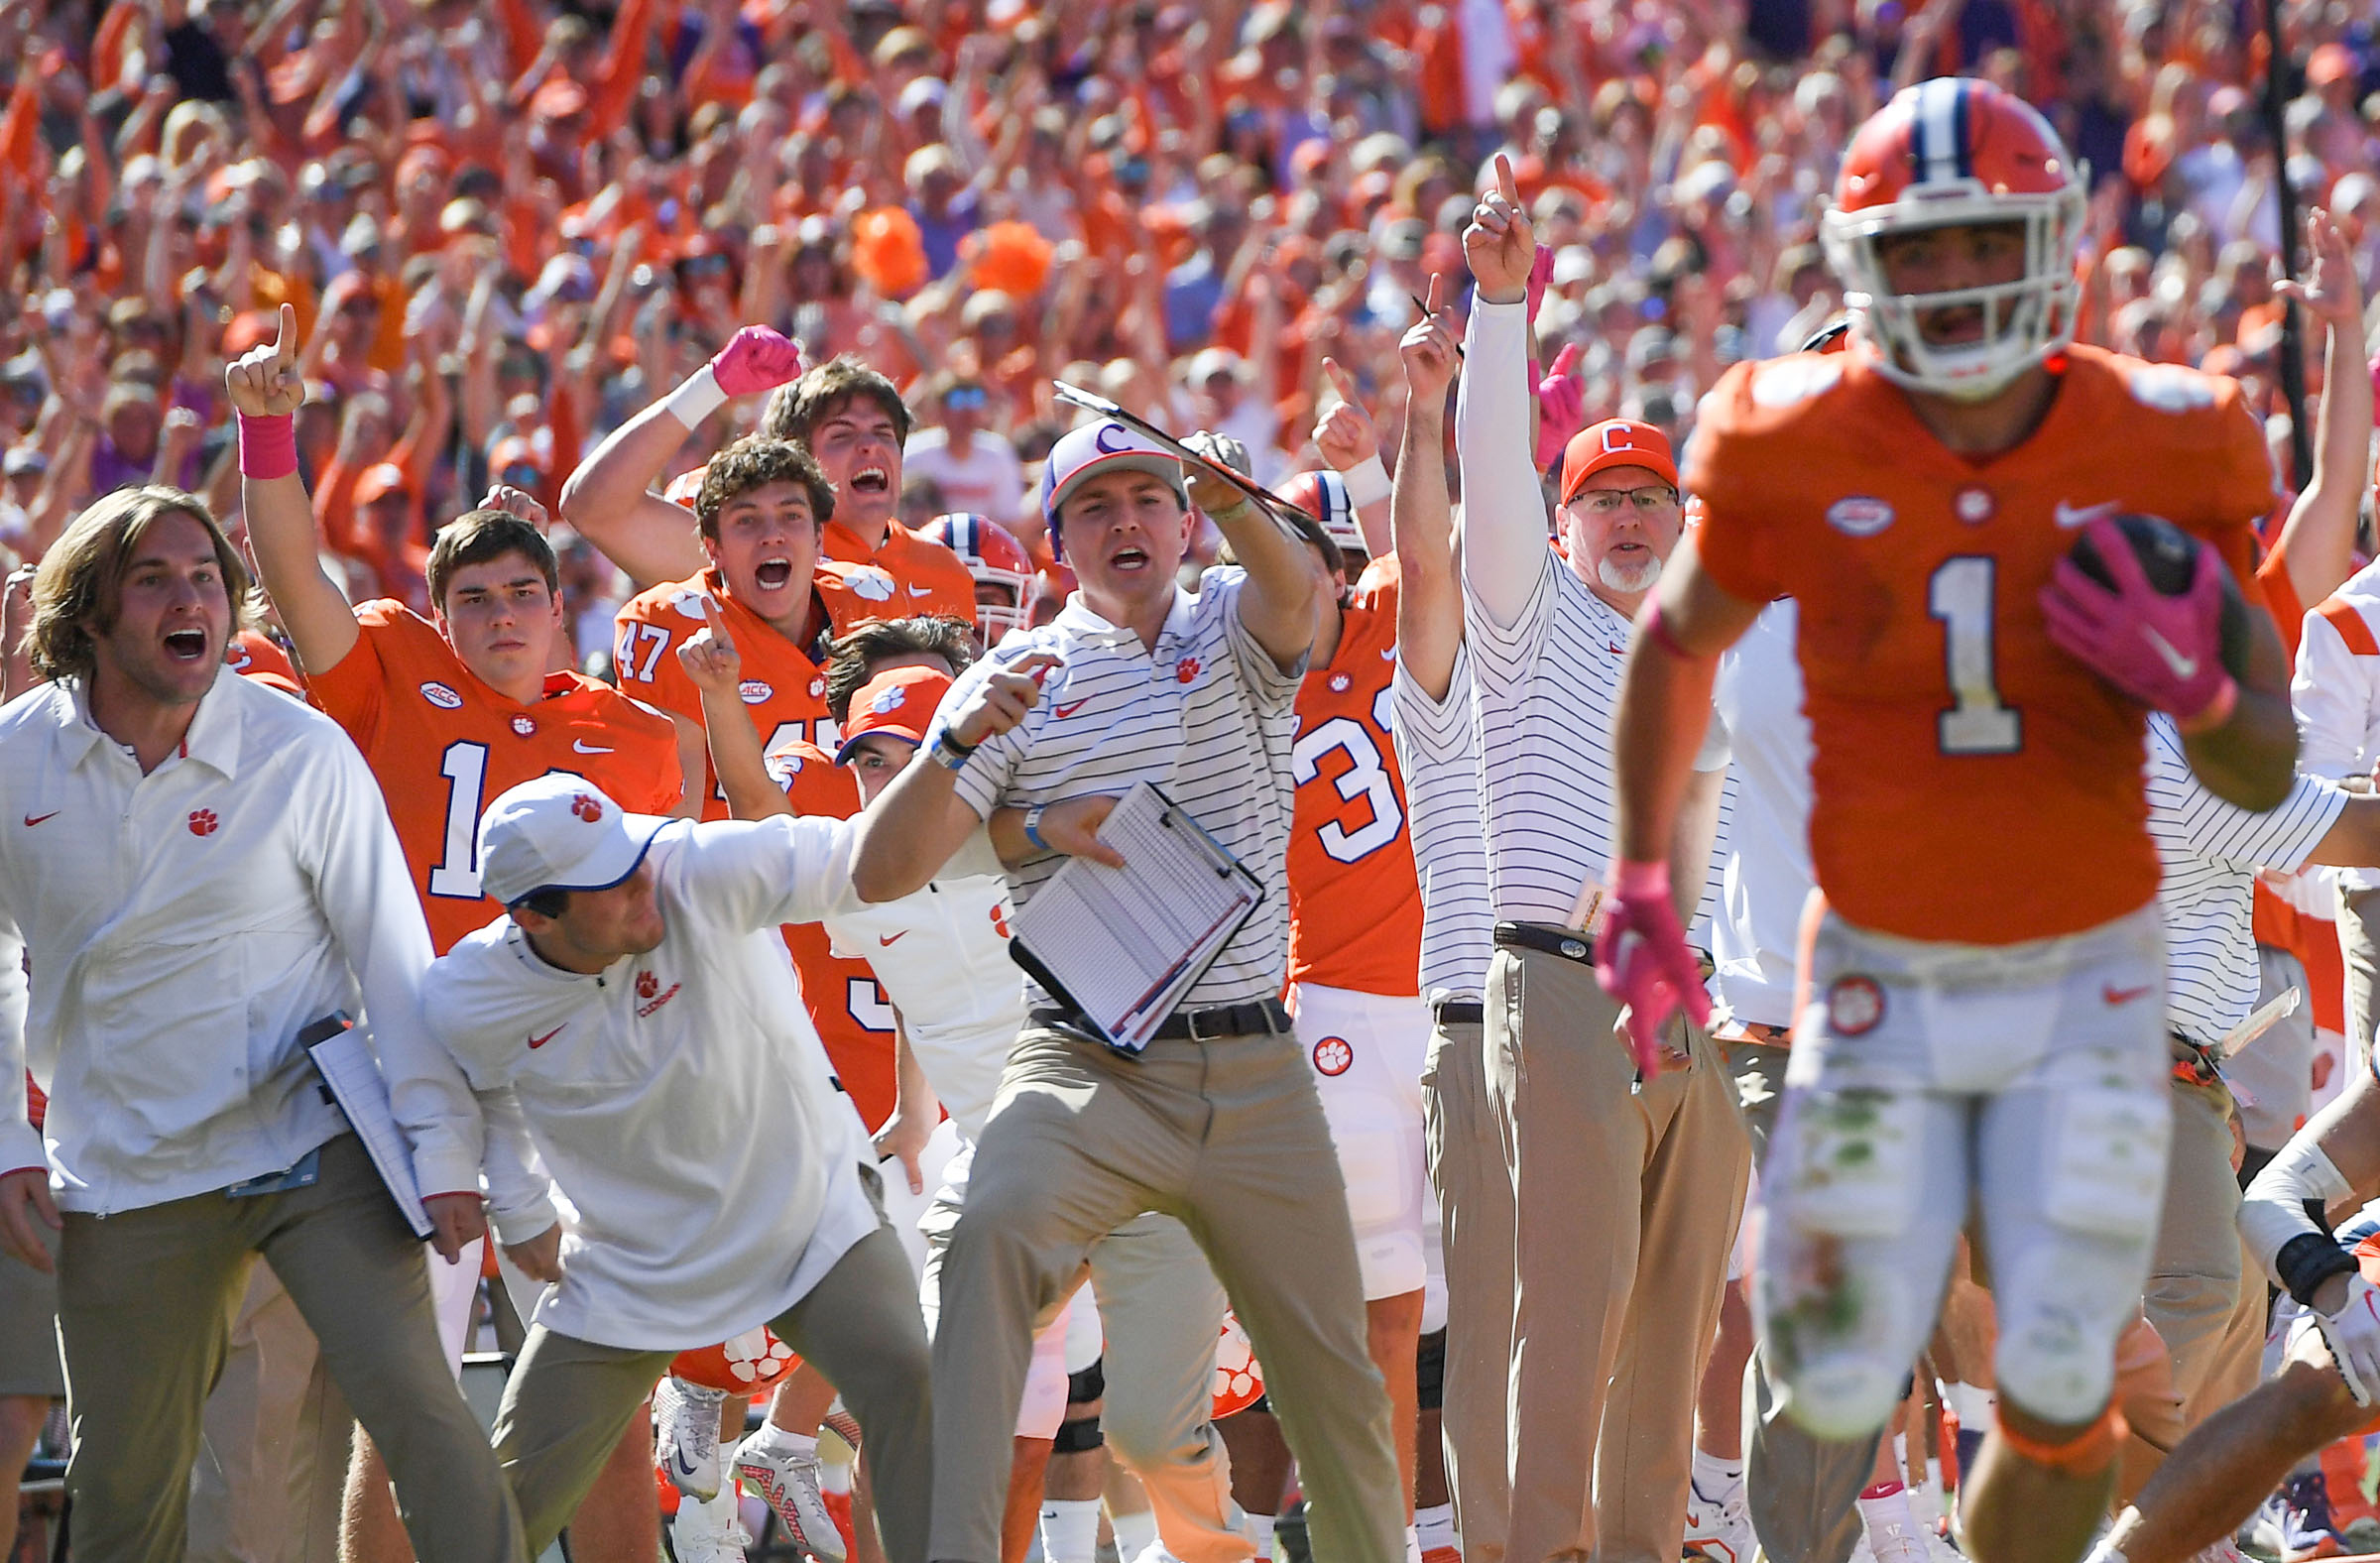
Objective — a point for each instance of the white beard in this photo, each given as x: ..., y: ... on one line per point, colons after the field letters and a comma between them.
x: 1628, y: 579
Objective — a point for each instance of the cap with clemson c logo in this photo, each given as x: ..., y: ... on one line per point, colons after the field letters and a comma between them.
x: 1104, y: 446
x: 899, y: 702
x: 1616, y: 442
x: 559, y: 832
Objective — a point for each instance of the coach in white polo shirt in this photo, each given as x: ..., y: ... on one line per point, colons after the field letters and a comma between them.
x: 1431, y: 721
x: 1217, y: 1121
x: 1618, y: 1293
x: 639, y: 1005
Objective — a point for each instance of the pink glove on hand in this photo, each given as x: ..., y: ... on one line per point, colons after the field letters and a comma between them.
x: 1560, y: 407
x: 2164, y: 652
x: 756, y: 359
x: 1641, y: 959
x: 1541, y: 271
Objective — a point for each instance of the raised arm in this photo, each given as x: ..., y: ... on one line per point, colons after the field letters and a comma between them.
x: 1350, y: 443
x: 608, y: 499
x: 1504, y: 508
x: 916, y: 823
x: 266, y: 391
x: 2317, y: 541
x: 711, y: 660
x: 1278, y: 603
x: 1429, y: 597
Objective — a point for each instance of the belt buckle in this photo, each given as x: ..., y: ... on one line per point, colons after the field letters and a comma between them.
x: 1196, y: 1021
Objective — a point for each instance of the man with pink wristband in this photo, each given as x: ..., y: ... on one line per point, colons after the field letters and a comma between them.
x: 1984, y: 966
x: 1619, y: 1293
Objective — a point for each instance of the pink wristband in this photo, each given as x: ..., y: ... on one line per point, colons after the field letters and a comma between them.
x: 1632, y: 879
x: 268, y: 446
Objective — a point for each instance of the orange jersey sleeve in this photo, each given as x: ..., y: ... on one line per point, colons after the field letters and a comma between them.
x: 443, y: 746
x: 908, y: 576
x: 1355, y: 900
x: 1949, y: 732
x: 784, y: 685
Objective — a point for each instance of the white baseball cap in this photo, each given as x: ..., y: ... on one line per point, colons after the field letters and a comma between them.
x: 559, y: 832
x: 1105, y: 446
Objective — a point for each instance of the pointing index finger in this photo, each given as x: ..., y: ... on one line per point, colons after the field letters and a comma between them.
x: 285, y: 344
x: 1505, y: 185
x: 717, y: 625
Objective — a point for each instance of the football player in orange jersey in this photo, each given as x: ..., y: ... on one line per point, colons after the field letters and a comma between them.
x: 1983, y: 964
x: 450, y: 714
x: 852, y: 419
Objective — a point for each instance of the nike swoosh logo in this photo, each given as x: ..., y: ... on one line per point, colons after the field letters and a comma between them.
x: 34, y: 819
x: 540, y: 1042
x: 2183, y: 667
x: 921, y: 591
x: 1070, y: 708
x: 1389, y: 654
x: 887, y: 943
x: 585, y: 748
x: 2114, y: 995
x: 2068, y: 517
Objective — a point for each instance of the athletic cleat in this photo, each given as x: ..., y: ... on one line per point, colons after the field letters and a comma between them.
x: 686, y: 1436
x: 1443, y: 1555
x: 2295, y: 1523
x: 2221, y: 1552
x: 700, y: 1535
x: 1717, y: 1530
x: 788, y: 1484
x: 843, y: 1425
x: 1894, y: 1542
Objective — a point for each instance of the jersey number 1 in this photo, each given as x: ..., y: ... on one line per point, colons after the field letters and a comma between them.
x: 465, y: 767
x: 1977, y: 723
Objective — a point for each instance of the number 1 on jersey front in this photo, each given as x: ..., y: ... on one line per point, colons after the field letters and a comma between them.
x: 1977, y: 723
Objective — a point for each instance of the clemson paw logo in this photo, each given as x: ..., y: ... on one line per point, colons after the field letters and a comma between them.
x: 647, y: 985
x: 202, y: 822
x: 524, y: 727
x: 1185, y: 670
x: 1854, y: 1006
x: 1340, y: 683
x: 890, y: 701
x: 873, y: 584
x: 1333, y: 1057
x: 586, y: 808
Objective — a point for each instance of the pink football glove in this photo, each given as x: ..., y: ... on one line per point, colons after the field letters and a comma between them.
x: 756, y: 359
x: 1641, y: 960
x: 1541, y: 271
x: 2164, y: 652
x: 1560, y: 407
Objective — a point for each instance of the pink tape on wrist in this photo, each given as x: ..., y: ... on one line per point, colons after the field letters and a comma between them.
x: 1640, y: 879
x: 2215, y: 713
x: 268, y: 446
x: 1650, y: 623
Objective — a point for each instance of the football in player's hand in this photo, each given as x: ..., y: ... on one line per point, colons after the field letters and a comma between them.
x: 2169, y: 558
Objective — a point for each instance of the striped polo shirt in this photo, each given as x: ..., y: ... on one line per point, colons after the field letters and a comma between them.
x: 2211, y: 850
x: 1440, y: 758
x: 1207, y: 716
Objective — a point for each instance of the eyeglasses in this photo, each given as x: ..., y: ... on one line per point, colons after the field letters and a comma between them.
x: 1607, y: 502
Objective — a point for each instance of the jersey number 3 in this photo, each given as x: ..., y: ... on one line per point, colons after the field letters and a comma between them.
x: 1977, y: 722
x: 1367, y: 778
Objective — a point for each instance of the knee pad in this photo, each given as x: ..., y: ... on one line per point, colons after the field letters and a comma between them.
x: 1078, y: 1437
x: 1429, y: 1371
x: 1090, y: 1384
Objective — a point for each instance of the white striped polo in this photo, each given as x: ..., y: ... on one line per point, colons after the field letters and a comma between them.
x: 2211, y: 850
x: 1207, y: 716
x: 1439, y: 755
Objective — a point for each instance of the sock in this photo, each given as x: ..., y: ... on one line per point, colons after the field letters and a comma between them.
x: 1900, y: 1455
x: 1971, y: 1405
x: 774, y: 1441
x: 1884, y: 1511
x: 1436, y: 1527
x: 1259, y: 1531
x: 1412, y: 1546
x: 1717, y: 1478
x: 1925, y: 1499
x: 1134, y: 1533
x: 1070, y: 1530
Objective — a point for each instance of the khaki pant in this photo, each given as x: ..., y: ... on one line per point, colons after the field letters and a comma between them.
x: 1626, y: 1202
x: 146, y: 1300
x: 2195, y: 1272
x: 269, y: 1483
x: 2360, y: 947
x: 1803, y: 1490
x: 569, y: 1400
x: 1228, y: 1135
x: 1468, y: 1145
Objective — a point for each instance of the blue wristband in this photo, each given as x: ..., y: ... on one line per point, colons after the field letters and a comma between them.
x: 1032, y: 827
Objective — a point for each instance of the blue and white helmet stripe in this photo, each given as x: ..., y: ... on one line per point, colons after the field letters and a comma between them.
x: 1938, y: 131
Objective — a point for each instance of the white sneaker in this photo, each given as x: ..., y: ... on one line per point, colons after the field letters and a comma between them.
x: 707, y: 1533
x: 1719, y: 1531
x: 686, y: 1436
x: 788, y: 1484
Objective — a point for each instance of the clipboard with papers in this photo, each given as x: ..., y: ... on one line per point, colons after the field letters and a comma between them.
x: 351, y: 1072
x: 1122, y: 946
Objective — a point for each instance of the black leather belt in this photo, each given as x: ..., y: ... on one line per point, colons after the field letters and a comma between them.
x: 1254, y: 1018
x: 1458, y: 1012
x: 1546, y: 938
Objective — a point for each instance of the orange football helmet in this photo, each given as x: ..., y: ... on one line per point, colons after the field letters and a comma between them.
x: 996, y: 559
x: 1949, y: 153
x: 1323, y: 495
